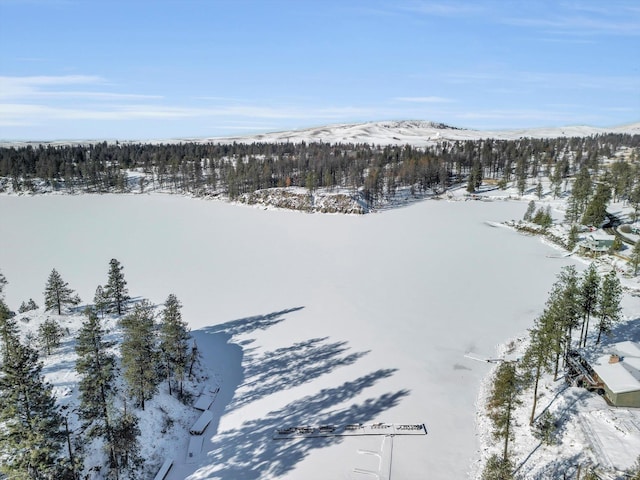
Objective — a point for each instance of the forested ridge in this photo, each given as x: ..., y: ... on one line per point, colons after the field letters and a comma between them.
x: 372, y: 172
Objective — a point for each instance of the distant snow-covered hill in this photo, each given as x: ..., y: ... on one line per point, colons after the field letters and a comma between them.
x: 415, y: 132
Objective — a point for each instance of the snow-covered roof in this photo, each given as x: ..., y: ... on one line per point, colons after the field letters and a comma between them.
x: 627, y: 348
x: 622, y: 376
x: 601, y: 236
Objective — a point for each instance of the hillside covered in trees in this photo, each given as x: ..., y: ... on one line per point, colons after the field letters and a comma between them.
x: 367, y: 173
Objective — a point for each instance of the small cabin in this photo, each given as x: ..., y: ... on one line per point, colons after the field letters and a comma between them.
x: 619, y: 371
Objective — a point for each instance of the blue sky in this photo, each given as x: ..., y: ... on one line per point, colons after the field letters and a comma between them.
x: 133, y: 69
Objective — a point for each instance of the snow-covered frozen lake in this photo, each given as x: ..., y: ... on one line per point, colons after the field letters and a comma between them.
x: 309, y: 319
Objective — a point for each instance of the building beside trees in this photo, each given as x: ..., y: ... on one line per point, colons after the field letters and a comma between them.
x: 598, y: 241
x: 618, y: 371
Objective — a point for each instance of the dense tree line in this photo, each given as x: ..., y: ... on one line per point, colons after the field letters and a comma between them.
x: 376, y: 171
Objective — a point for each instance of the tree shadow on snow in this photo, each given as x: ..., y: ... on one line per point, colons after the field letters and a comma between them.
x: 65, y: 350
x: 222, y: 357
x: 629, y: 330
x: 291, y: 366
x: 558, y: 468
x: 249, y: 452
x: 250, y: 324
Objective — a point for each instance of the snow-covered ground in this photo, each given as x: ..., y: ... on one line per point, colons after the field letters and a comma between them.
x: 309, y: 319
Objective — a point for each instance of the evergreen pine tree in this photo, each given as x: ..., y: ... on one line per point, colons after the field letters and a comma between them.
x: 8, y: 329
x: 580, y: 193
x: 548, y: 218
x: 49, y: 335
x: 503, y: 400
x: 633, y: 472
x: 608, y: 303
x: 174, y: 342
x: 573, y: 237
x: 634, y: 200
x: 616, y: 246
x: 556, y: 180
x: 521, y: 175
x: 194, y: 357
x: 101, y: 301
x: 572, y: 213
x: 28, y: 306
x: 475, y: 177
x: 543, y: 217
x: 96, y: 367
x: 139, y: 353
x: 58, y: 294
x: 531, y: 208
x: 588, y: 299
x: 596, y: 211
x: 3, y: 283
x: 116, y: 287
x: 635, y: 257
x: 31, y: 438
x: 497, y: 468
x: 126, y: 431
x: 561, y: 315
x: 538, y: 357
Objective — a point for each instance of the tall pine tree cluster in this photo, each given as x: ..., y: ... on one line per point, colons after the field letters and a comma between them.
x: 149, y: 352
x: 31, y: 436
x: 140, y: 353
x: 35, y: 439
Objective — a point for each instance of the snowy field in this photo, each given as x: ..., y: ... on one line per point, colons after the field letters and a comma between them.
x: 308, y: 319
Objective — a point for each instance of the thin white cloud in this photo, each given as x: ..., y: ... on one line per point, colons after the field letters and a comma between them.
x: 95, y: 95
x: 578, y: 19
x: 549, y: 79
x: 620, y: 109
x: 36, y: 100
x: 39, y: 87
x: 43, y: 80
x: 429, y: 99
x: 527, y: 116
x: 219, y: 99
x: 604, y: 9
x: 444, y: 9
x: 22, y: 87
x: 20, y: 114
x: 580, y: 25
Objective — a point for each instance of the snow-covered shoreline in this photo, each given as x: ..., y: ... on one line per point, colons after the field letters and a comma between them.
x: 404, y: 324
x: 584, y: 415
